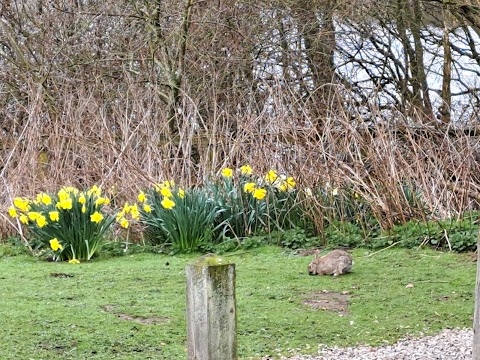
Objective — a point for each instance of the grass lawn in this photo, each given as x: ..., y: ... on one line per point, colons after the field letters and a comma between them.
x: 133, y: 307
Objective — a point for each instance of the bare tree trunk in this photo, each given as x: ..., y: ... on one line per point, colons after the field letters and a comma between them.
x: 447, y: 73
x: 419, y: 64
x: 319, y: 38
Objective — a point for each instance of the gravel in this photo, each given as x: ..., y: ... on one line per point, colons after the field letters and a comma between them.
x: 451, y: 344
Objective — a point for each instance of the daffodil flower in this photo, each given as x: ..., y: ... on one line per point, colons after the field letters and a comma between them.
x: 96, y: 217
x: 120, y: 215
x: 291, y: 182
x: 63, y: 195
x: 147, y: 208
x: 142, y: 197
x: 41, y: 221
x: 33, y: 215
x: 167, y: 203
x: 227, y: 173
x: 181, y: 193
x: 259, y: 194
x: 94, y: 190
x: 271, y: 176
x: 55, y: 244
x: 73, y: 261
x: 65, y: 204
x: 12, y: 212
x: 22, y: 204
x: 246, y: 170
x: 124, y: 223
x: 54, y: 215
x: 44, y: 199
x: 166, y: 192
x: 249, y: 187
x: 101, y: 201
x: 134, y: 212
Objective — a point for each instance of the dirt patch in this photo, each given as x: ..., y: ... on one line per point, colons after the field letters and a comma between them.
x: 138, y: 319
x: 61, y: 275
x: 329, y: 301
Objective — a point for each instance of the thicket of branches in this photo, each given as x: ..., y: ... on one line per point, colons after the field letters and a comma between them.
x: 125, y: 93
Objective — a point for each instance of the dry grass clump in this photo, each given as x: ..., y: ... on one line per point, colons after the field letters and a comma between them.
x: 404, y: 169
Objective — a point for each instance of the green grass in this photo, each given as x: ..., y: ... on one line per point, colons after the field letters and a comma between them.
x: 79, y: 317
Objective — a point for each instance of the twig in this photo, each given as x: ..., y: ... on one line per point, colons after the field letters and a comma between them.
x: 388, y: 247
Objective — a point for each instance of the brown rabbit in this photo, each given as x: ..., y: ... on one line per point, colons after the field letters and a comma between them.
x: 335, y: 263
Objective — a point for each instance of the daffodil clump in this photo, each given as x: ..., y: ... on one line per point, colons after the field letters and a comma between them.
x: 285, y: 204
x: 242, y: 198
x: 182, y: 220
x: 69, y: 225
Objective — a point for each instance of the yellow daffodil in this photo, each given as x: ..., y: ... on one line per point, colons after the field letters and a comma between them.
x: 101, y: 201
x: 249, y: 187
x: 259, y: 194
x: 65, y: 204
x: 12, y: 212
x: 94, y: 190
x: 166, y: 192
x: 44, y: 199
x: 41, y: 221
x: 82, y: 199
x: 147, y: 208
x: 271, y: 176
x: 23, y: 219
x: 227, y: 173
x: 134, y: 212
x: 287, y: 184
x: 96, y: 217
x: 74, y: 261
x: 246, y: 170
x: 167, y: 203
x: 55, y: 244
x: 291, y: 182
x: 126, y: 208
x: 70, y: 189
x: 63, y: 195
x: 54, y: 215
x: 120, y: 215
x: 169, y: 183
x: 142, y: 197
x: 33, y: 215
x: 181, y: 193
x: 22, y: 203
x: 165, y: 184
x: 84, y: 209
x: 124, y: 223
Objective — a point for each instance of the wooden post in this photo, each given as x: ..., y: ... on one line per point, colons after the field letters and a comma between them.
x: 476, y: 318
x: 211, y: 310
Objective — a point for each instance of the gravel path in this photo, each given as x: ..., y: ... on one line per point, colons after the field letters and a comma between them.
x: 455, y: 344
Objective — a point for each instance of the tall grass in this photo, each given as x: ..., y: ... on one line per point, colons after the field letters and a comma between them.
x: 403, y: 169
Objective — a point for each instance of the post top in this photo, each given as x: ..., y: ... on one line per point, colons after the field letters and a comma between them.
x: 210, y: 260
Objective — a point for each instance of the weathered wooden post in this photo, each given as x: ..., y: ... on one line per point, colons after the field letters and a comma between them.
x: 211, y: 310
